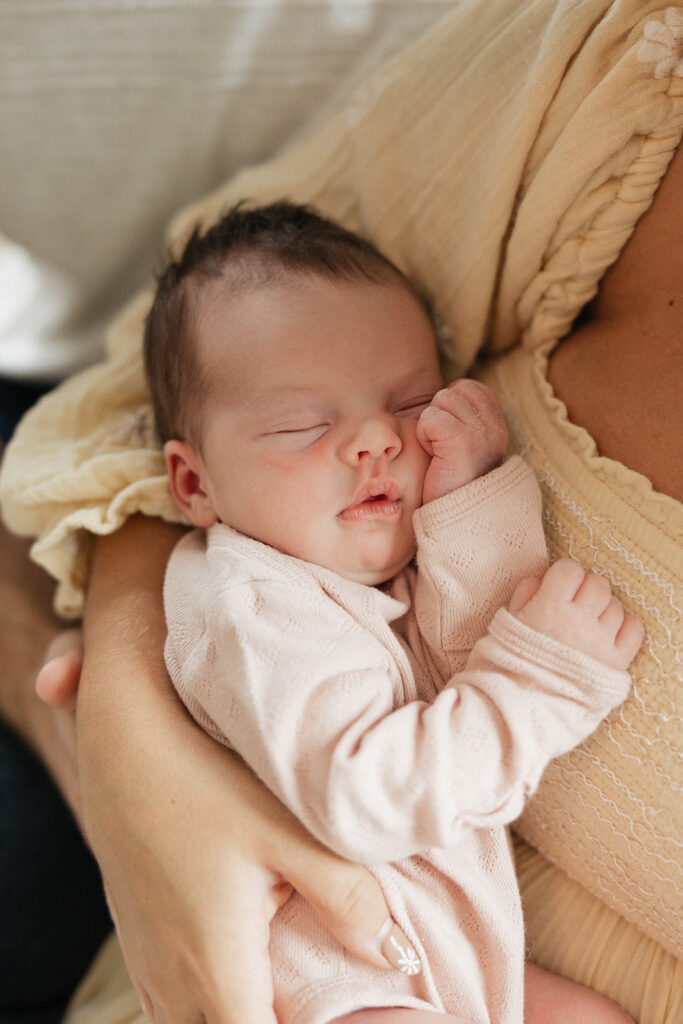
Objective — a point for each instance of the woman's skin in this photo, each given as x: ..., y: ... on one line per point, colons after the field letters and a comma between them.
x: 620, y: 373
x: 27, y: 626
x: 555, y: 1001
x: 178, y: 867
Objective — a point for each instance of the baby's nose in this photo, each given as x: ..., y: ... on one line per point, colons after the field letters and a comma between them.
x: 372, y: 439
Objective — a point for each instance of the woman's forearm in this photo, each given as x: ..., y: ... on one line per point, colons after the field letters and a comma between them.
x: 125, y: 700
x: 124, y: 616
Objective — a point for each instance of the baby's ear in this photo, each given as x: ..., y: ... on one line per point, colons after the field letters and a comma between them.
x: 186, y: 481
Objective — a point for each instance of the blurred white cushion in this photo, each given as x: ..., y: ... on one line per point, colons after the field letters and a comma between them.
x: 114, y: 115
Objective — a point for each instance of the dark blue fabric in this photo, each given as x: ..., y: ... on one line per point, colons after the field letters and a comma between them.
x: 53, y: 916
x: 15, y: 399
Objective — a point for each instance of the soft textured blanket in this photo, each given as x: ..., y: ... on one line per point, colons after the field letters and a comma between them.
x: 502, y: 161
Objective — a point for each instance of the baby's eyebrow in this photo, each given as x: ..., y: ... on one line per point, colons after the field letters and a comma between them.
x: 282, y: 400
x: 287, y: 389
x: 277, y: 391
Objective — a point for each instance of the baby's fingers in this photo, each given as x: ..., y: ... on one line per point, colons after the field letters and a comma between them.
x: 594, y: 596
x: 523, y: 593
x: 467, y: 400
x: 435, y: 425
x: 613, y: 616
x: 629, y: 638
x: 473, y: 402
x: 562, y: 580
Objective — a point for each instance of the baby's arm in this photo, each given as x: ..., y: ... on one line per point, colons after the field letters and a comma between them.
x: 479, y: 530
x: 314, y: 704
x: 474, y: 545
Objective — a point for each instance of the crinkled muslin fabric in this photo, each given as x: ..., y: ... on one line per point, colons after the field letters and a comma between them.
x: 502, y: 162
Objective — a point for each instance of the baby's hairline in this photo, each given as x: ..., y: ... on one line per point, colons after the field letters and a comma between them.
x: 247, y: 249
x: 198, y: 282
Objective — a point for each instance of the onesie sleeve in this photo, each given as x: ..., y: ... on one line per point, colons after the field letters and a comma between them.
x: 474, y: 546
x: 314, y: 704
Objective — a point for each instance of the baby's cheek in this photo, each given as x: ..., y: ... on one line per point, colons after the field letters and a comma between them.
x: 278, y: 463
x: 298, y: 483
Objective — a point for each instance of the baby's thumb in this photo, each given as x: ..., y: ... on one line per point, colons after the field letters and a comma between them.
x: 351, y: 904
x: 523, y: 593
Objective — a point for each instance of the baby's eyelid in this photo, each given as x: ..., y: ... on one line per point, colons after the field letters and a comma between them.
x: 315, y: 430
x: 413, y: 404
x: 301, y: 430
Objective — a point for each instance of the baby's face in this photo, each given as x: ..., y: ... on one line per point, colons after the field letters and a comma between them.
x: 308, y: 435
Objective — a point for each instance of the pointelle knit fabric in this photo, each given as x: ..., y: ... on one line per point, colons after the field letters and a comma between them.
x: 399, y: 729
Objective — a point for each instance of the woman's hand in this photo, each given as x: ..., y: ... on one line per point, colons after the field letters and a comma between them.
x: 195, y: 853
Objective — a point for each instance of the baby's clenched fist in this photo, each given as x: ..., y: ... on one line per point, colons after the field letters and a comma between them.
x: 464, y: 431
x: 578, y: 609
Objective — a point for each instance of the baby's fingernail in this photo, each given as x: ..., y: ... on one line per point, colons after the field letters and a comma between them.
x: 397, y: 949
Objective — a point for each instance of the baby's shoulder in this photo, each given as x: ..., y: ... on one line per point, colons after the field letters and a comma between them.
x: 234, y: 562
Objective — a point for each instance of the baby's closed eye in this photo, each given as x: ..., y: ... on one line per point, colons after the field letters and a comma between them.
x: 412, y: 407
x: 300, y: 432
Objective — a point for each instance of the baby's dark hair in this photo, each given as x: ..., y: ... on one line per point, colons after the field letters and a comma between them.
x: 246, y: 248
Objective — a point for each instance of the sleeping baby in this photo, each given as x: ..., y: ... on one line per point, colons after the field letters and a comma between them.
x: 365, y: 614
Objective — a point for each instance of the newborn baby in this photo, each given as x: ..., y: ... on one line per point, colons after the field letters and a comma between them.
x: 403, y: 710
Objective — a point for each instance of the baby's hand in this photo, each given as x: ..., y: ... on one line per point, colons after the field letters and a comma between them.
x: 578, y: 609
x: 464, y: 431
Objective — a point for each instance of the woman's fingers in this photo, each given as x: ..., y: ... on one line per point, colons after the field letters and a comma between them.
x: 350, y: 902
x: 57, y: 681
x: 245, y: 992
x: 222, y: 977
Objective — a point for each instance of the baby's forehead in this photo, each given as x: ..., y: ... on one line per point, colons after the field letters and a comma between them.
x: 246, y: 321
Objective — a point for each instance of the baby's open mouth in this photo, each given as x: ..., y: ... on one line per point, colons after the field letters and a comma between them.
x: 379, y: 507
x: 377, y: 499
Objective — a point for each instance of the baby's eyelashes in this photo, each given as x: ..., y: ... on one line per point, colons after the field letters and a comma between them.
x: 298, y: 435
x: 300, y: 430
x: 414, y: 407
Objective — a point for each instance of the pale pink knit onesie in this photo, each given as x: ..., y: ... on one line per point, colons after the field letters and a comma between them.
x: 399, y: 729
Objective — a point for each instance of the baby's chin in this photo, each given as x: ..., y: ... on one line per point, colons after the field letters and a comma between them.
x: 370, y: 568
x: 373, y: 576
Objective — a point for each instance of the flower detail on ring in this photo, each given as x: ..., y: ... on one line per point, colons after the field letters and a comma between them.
x: 408, y: 961
x: 662, y: 44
